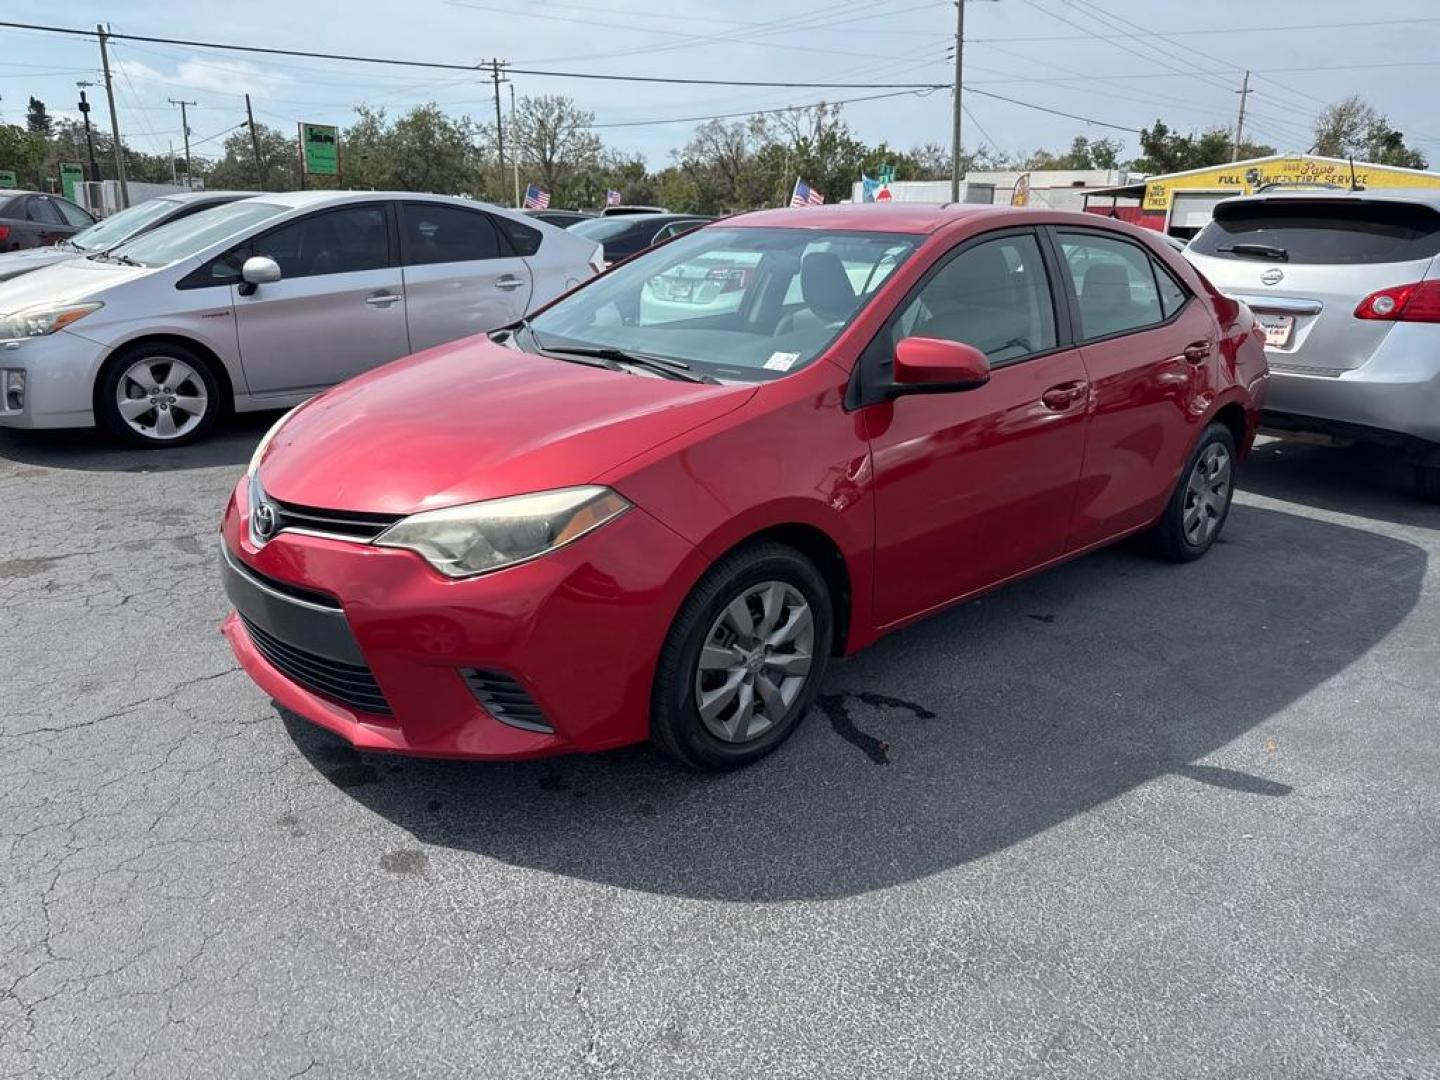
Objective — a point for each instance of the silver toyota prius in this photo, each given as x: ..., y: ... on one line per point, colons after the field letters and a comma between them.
x: 261, y: 303
x: 1346, y: 286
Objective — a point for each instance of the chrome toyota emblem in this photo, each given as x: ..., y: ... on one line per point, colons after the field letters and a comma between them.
x: 1273, y: 276
x: 262, y: 515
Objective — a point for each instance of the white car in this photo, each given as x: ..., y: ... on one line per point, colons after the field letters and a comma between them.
x: 261, y: 303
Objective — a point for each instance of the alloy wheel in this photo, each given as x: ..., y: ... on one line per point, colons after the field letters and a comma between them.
x: 755, y: 662
x: 161, y: 398
x: 1207, y: 494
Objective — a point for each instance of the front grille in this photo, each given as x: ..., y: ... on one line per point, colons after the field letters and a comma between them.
x: 505, y: 699
x: 352, y: 524
x: 349, y: 684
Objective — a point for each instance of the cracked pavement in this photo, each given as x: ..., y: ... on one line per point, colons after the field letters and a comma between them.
x: 1123, y: 819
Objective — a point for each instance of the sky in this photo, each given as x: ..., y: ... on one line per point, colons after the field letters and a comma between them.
x: 1123, y: 63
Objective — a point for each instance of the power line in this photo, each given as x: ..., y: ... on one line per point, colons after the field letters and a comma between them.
x: 1228, y: 31
x: 759, y: 112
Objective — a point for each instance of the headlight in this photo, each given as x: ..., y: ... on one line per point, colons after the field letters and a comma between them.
x: 46, y: 319
x: 461, y: 541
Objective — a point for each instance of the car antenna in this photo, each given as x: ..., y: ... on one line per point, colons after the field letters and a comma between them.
x: 1354, y: 184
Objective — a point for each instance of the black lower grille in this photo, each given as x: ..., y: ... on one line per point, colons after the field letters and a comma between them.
x: 505, y: 699
x: 349, y: 684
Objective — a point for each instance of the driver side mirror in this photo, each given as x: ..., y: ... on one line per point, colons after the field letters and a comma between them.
x: 936, y: 366
x: 258, y: 270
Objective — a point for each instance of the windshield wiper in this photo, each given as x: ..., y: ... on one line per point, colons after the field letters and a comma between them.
x: 675, y: 369
x: 1263, y: 251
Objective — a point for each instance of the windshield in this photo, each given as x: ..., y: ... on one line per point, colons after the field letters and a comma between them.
x: 733, y: 303
x: 607, y: 228
x: 192, y: 235
x: 118, y: 228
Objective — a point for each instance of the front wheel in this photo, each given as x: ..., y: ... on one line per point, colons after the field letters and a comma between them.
x: 743, y: 660
x: 161, y: 394
x: 1201, y: 501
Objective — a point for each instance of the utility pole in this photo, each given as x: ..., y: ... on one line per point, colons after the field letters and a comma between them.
x: 515, y: 158
x: 255, y: 143
x: 114, y: 119
x: 173, y: 178
x: 495, y: 66
x: 1244, y: 93
x: 89, y: 139
x: 185, y: 129
x: 958, y: 104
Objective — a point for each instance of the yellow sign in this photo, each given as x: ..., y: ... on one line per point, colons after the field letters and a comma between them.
x: 1243, y: 177
x: 1021, y: 195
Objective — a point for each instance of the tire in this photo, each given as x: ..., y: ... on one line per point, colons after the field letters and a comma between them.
x: 1427, y: 482
x: 183, y: 409
x: 770, y: 583
x: 1199, y: 506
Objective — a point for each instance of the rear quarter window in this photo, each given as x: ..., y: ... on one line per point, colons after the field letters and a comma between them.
x: 1316, y: 231
x: 524, y: 239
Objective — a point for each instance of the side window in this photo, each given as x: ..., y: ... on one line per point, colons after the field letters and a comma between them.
x: 524, y: 239
x: 994, y: 296
x: 43, y: 210
x: 72, y: 214
x: 329, y: 242
x: 1115, y: 282
x: 436, y: 233
x: 1172, y: 293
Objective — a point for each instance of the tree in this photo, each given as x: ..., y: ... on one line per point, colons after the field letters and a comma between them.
x: 236, y: 169
x: 23, y: 151
x: 37, y: 118
x: 1355, y: 128
x: 1166, y: 151
x: 554, y: 145
x: 1083, y: 154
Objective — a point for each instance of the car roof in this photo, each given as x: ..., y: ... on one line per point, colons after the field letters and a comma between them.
x: 1415, y: 196
x: 919, y: 218
x: 303, y: 199
x: 207, y: 196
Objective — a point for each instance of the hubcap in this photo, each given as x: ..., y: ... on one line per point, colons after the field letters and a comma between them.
x: 755, y: 662
x: 161, y: 398
x: 1207, y: 495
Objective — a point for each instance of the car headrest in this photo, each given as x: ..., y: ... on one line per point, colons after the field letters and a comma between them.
x: 825, y: 285
x: 1103, y: 277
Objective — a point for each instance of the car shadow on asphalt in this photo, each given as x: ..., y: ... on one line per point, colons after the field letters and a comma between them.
x: 951, y: 740
x: 1364, y: 481
x: 89, y: 450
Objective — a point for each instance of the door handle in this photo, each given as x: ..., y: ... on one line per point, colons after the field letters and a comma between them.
x: 1060, y: 398
x: 382, y: 299
x: 1197, y: 351
x: 508, y: 282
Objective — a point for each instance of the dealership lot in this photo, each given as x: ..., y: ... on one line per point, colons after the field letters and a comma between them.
x: 1122, y: 819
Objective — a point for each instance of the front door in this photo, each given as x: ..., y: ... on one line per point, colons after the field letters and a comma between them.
x: 460, y: 276
x: 977, y: 486
x: 337, y: 310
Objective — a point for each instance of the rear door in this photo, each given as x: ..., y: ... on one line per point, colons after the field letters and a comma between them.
x: 461, y: 276
x: 47, y: 226
x: 338, y: 308
x: 975, y: 487
x: 1152, y: 354
x: 1303, y: 264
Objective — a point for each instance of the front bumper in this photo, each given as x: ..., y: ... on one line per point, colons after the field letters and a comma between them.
x: 59, y: 381
x: 580, y: 630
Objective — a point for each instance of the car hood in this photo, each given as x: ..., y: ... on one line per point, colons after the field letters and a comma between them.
x: 15, y: 263
x: 64, y: 283
x: 473, y: 420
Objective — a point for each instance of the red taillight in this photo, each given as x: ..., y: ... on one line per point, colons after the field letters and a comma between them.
x: 1418, y: 302
x: 4, y: 232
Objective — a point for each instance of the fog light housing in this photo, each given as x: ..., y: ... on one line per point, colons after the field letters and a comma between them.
x: 14, y: 389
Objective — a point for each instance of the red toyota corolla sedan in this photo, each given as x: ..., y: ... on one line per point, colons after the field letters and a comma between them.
x: 658, y: 507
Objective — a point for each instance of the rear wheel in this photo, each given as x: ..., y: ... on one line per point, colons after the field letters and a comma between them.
x: 1427, y: 482
x: 158, y: 394
x: 744, y: 659
x: 1201, y: 501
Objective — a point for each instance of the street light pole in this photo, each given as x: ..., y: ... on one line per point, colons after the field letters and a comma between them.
x: 89, y: 139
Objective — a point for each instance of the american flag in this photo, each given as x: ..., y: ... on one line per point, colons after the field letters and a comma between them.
x: 805, y: 195
x: 612, y: 198
x: 536, y: 198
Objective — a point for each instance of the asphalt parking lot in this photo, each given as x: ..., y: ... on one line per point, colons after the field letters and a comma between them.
x: 1124, y: 819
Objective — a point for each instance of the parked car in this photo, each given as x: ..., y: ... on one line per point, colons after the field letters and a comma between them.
x: 1347, y: 288
x: 625, y: 211
x: 592, y: 528
x: 30, y: 219
x: 561, y: 219
x: 622, y: 236
x: 260, y: 303
x: 116, y: 229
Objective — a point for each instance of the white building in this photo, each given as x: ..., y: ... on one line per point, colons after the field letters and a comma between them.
x: 1058, y: 189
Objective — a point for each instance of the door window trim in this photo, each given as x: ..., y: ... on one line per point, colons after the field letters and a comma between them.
x: 503, y: 248
x: 867, y: 387
x: 1072, y: 298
